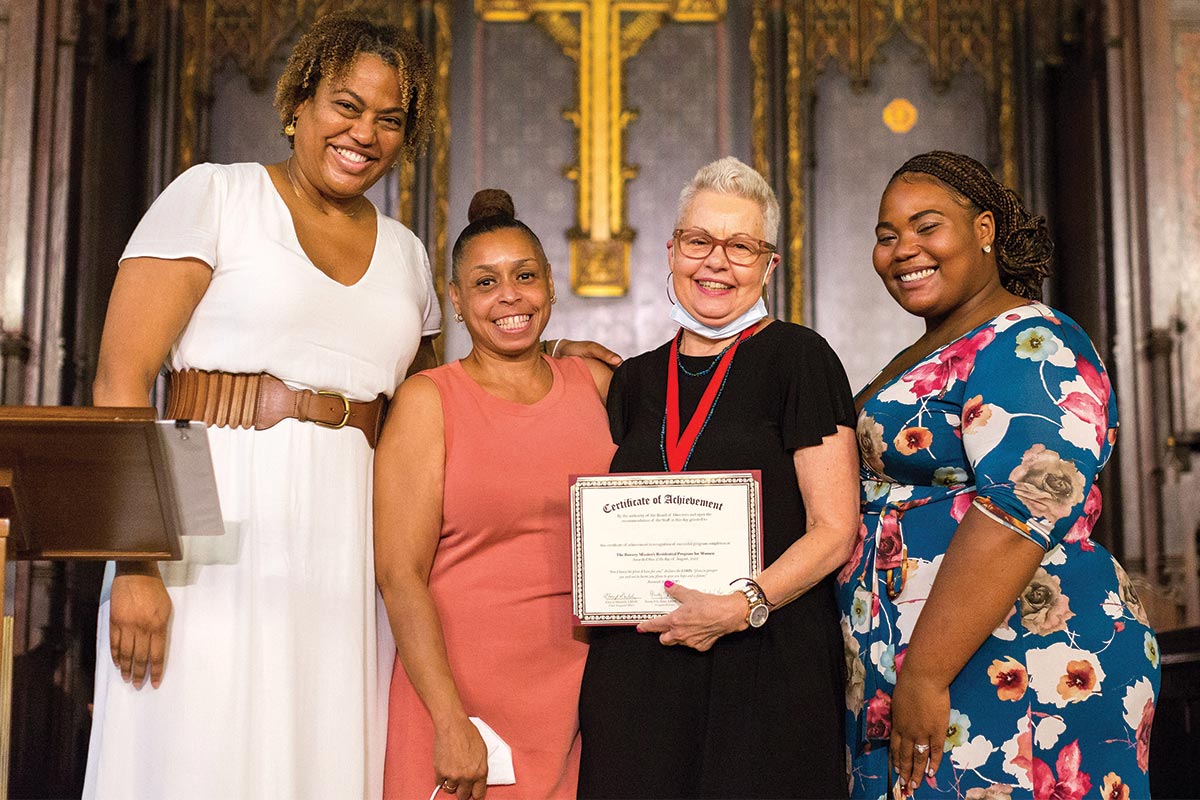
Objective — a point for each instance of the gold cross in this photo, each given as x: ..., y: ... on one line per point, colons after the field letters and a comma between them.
x: 593, y: 34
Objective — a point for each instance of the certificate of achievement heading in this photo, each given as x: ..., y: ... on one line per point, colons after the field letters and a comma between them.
x: 632, y: 532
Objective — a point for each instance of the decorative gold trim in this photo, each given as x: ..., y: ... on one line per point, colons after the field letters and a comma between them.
x: 798, y: 91
x: 193, y: 85
x: 1009, y: 172
x: 600, y: 43
x: 762, y: 91
x: 637, y: 32
x: 6, y: 654
x: 6, y: 676
x: 564, y: 33
x: 442, y: 12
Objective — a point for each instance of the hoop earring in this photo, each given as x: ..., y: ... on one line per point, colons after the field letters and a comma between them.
x: 290, y: 128
x: 674, y: 300
x: 553, y: 299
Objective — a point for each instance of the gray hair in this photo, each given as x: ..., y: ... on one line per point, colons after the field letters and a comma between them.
x: 730, y: 176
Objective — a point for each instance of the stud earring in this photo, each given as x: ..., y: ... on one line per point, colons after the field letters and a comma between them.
x: 290, y: 128
x: 458, y: 317
x: 987, y: 248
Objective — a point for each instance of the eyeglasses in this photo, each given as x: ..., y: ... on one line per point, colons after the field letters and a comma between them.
x: 740, y: 249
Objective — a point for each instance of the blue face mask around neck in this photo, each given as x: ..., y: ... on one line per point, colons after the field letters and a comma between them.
x: 749, y: 317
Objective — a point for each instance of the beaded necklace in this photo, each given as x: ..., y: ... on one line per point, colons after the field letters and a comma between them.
x: 706, y: 370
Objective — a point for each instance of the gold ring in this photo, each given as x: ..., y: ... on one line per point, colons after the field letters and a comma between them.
x: 446, y: 787
x: 921, y: 748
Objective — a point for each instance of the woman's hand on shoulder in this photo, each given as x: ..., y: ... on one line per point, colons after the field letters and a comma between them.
x: 700, y: 619
x: 565, y: 348
x: 139, y: 612
x: 425, y: 357
x: 460, y: 759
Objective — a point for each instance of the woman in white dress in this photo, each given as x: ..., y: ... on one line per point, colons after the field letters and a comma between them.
x: 259, y: 667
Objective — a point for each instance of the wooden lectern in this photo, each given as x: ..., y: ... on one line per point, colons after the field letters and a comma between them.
x: 86, y: 483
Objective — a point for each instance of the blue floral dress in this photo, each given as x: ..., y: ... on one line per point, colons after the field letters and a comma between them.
x: 1016, y: 418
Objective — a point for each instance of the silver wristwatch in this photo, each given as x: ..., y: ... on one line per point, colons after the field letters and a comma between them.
x: 760, y: 607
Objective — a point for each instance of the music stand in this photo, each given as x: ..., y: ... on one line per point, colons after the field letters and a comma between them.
x: 94, y: 484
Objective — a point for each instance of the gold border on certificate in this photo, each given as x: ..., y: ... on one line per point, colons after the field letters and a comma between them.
x: 700, y: 529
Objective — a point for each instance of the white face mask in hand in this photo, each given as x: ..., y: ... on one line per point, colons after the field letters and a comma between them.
x: 751, y: 316
x: 500, y: 763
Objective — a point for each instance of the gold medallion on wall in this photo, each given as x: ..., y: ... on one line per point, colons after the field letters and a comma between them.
x: 900, y: 115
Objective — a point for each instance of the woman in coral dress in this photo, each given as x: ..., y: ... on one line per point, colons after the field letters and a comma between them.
x: 472, y: 530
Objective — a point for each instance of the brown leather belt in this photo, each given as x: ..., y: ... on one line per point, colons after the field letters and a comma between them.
x: 235, y: 400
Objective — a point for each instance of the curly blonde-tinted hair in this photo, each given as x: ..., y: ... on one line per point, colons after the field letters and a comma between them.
x: 328, y: 50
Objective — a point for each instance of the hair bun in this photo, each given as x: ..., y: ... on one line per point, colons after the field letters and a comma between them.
x: 491, y: 203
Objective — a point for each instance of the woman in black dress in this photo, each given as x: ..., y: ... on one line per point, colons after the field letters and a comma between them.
x: 736, y: 695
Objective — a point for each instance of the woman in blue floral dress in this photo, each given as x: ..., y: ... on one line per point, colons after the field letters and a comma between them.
x: 993, y: 649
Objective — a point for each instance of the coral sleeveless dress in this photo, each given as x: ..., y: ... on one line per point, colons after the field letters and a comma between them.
x: 501, y: 579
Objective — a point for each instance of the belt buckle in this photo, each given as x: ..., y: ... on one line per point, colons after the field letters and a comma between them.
x: 345, y: 409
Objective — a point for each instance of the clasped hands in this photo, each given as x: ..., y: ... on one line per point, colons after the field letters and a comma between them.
x: 700, y: 619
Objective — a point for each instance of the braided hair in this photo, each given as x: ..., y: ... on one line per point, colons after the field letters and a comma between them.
x: 328, y: 50
x: 490, y: 210
x: 1023, y: 246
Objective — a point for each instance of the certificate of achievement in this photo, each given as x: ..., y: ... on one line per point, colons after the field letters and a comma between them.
x: 630, y: 533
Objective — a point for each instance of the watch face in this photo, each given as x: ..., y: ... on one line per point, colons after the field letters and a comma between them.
x: 758, y: 615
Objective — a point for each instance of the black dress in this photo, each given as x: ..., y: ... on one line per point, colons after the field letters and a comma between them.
x: 761, y: 713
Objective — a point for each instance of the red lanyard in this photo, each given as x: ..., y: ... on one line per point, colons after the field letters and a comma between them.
x: 678, y: 449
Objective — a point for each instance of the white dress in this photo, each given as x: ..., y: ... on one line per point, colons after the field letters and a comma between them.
x: 279, y: 652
